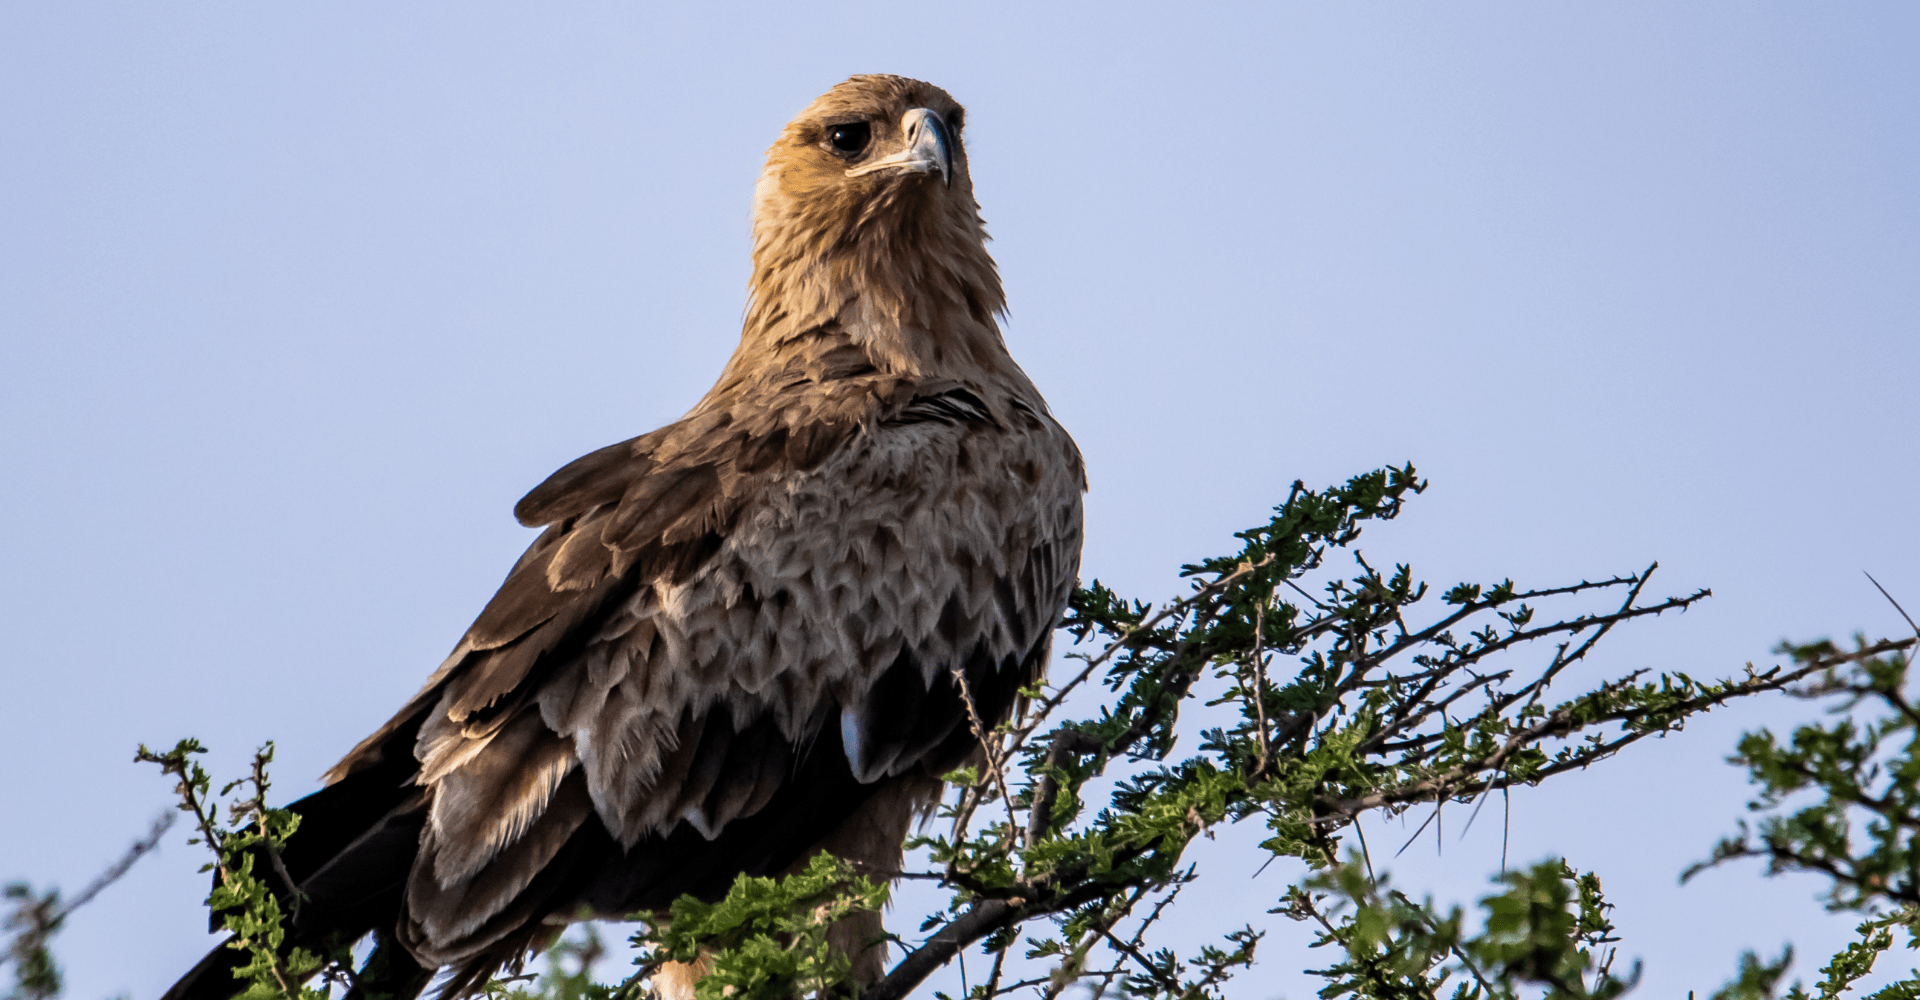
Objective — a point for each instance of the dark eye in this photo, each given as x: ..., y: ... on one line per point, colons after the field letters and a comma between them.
x: 850, y: 138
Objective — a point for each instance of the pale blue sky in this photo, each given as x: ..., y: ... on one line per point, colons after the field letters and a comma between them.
x: 298, y: 299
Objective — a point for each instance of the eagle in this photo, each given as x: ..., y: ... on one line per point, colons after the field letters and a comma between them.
x: 763, y: 631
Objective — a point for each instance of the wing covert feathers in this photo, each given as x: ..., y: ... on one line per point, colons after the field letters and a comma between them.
x: 739, y: 638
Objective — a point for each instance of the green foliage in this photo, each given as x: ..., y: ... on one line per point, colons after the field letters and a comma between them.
x: 32, y: 923
x: 1858, y: 776
x: 767, y: 940
x: 1549, y: 928
x: 1861, y: 770
x: 1757, y: 979
x: 1854, y: 961
x: 561, y: 982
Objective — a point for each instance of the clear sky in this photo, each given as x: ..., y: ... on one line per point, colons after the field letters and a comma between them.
x: 298, y: 299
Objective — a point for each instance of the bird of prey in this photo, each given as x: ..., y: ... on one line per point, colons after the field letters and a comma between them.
x: 750, y: 635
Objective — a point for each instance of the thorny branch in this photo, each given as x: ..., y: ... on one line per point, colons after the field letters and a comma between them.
x: 989, y: 748
x: 1382, y: 714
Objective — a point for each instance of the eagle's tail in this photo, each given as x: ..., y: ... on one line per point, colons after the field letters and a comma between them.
x: 212, y: 978
x: 389, y: 974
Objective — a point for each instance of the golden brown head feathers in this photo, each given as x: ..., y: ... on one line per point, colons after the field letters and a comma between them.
x: 855, y: 224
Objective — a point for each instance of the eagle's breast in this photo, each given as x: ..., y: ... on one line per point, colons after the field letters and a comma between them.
x: 941, y: 534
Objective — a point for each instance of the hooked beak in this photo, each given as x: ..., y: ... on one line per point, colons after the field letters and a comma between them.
x: 928, y: 149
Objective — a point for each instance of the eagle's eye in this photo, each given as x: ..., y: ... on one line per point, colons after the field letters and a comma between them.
x: 850, y: 138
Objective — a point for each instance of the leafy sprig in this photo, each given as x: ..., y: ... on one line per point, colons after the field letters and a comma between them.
x: 249, y: 835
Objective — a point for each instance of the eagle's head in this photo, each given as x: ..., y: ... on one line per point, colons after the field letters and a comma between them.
x: 866, y: 204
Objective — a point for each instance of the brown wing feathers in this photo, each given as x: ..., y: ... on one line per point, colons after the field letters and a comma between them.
x: 596, y: 478
x: 736, y: 641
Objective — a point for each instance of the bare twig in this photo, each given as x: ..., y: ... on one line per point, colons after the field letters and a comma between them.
x: 155, y: 830
x: 1562, y: 722
x: 1260, y: 684
x: 1200, y: 595
x: 987, y: 748
x: 1896, y: 604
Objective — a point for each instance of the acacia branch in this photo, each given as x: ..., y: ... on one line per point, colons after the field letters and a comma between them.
x: 1065, y: 743
x: 981, y: 919
x: 1134, y: 635
x: 1561, y: 722
x: 987, y: 748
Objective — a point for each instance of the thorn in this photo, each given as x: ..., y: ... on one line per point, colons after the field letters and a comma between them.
x: 1896, y: 604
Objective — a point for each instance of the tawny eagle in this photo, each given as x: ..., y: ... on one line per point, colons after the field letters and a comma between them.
x: 741, y: 638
